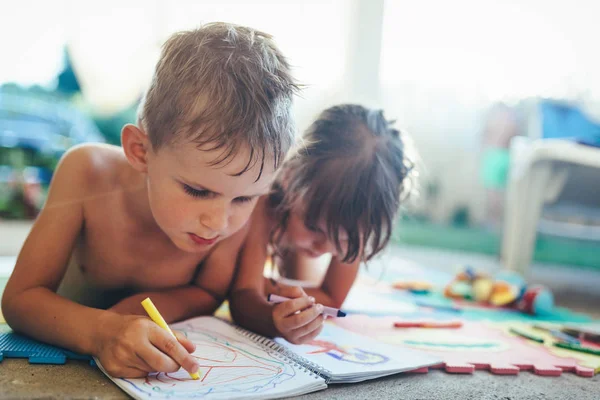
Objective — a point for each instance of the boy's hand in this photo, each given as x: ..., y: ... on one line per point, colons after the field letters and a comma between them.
x: 298, y: 320
x: 134, y: 346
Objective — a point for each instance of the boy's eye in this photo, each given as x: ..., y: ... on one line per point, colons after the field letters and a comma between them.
x: 195, y: 192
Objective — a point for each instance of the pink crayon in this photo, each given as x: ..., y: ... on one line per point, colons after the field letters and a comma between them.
x: 327, y: 311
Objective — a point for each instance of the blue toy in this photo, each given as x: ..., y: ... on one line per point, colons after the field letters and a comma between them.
x: 13, y: 345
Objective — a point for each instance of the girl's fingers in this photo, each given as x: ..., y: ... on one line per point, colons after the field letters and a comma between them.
x: 311, y: 335
x: 309, y: 328
x: 290, y: 307
x: 302, y: 318
x: 292, y: 292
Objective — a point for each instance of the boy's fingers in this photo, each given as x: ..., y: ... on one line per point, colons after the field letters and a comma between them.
x: 290, y: 307
x: 171, y: 347
x: 153, y: 360
x: 118, y: 370
x: 131, y: 372
x: 185, y: 342
x: 141, y: 364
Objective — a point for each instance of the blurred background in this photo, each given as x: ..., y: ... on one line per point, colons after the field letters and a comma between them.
x: 462, y: 77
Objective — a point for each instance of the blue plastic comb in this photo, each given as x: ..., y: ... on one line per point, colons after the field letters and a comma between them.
x: 13, y: 345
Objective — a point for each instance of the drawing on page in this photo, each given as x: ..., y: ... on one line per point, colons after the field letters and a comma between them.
x: 347, y: 353
x: 228, y: 368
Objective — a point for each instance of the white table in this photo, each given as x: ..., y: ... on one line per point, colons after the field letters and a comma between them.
x: 538, y: 172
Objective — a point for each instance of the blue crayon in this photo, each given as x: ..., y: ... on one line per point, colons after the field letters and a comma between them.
x: 559, y: 335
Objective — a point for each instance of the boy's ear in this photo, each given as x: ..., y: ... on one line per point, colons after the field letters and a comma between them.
x: 136, y: 146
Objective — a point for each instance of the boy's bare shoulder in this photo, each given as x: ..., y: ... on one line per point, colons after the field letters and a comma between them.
x: 94, y: 166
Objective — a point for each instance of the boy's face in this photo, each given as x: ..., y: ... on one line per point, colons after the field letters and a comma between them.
x: 196, y: 204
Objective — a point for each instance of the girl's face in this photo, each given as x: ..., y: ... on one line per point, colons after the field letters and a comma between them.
x: 311, y: 241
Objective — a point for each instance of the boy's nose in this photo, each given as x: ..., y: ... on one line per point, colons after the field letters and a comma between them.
x: 216, y: 220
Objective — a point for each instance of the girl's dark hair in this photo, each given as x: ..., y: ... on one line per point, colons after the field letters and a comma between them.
x: 349, y: 175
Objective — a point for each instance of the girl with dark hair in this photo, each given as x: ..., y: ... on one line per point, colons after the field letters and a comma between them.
x: 338, y: 195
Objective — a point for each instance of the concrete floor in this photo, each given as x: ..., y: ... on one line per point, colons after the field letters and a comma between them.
x: 77, y: 380
x: 74, y: 380
x: 574, y: 288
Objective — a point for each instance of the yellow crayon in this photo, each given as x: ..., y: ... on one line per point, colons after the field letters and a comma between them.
x: 160, y: 321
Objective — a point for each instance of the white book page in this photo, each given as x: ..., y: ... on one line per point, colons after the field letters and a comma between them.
x: 231, y: 365
x: 346, y: 354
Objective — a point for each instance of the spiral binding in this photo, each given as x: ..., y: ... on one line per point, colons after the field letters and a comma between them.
x: 282, y: 352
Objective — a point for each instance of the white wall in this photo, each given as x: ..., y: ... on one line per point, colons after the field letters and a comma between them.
x: 434, y: 65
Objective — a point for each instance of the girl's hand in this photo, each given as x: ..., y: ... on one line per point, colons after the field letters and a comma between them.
x: 133, y: 346
x: 298, y: 320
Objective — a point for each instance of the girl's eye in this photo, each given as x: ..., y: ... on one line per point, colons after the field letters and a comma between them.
x: 242, y: 200
x: 314, y: 228
x: 195, y: 192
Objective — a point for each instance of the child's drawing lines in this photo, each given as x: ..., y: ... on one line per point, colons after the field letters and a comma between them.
x: 228, y: 367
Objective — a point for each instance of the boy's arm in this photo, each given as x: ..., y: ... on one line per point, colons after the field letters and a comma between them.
x: 127, y: 346
x: 204, y: 296
x: 30, y: 303
x: 174, y: 304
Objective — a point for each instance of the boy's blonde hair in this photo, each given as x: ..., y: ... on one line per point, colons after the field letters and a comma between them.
x: 222, y: 86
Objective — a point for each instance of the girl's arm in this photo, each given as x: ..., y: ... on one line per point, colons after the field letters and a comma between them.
x: 298, y: 320
x: 248, y: 304
x: 336, y: 284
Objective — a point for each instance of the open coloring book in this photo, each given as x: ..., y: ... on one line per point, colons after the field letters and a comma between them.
x: 236, y: 363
